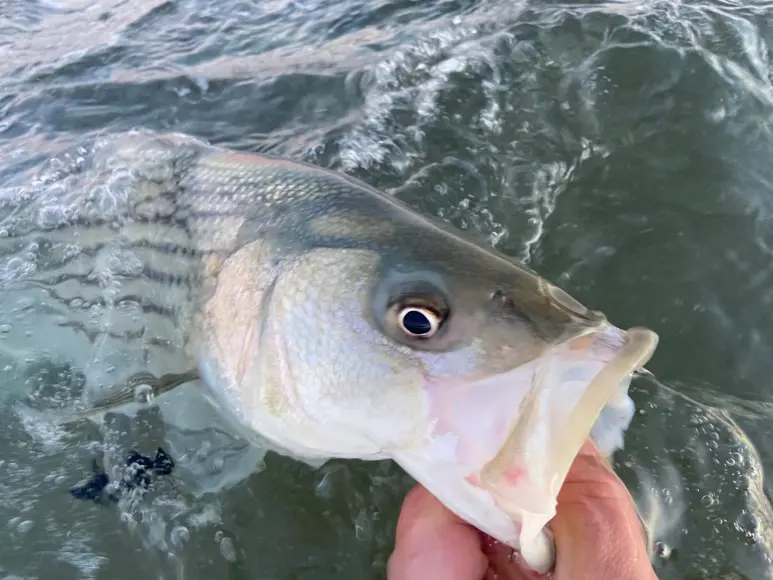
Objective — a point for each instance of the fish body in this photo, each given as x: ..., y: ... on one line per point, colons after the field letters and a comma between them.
x: 328, y: 319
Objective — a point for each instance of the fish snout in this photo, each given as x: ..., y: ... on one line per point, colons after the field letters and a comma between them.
x: 500, y: 448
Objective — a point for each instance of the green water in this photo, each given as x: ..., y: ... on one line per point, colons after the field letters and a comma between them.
x: 623, y: 149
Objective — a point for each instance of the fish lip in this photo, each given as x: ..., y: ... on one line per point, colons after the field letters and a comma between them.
x: 488, y: 494
x: 512, y: 475
x: 613, y: 354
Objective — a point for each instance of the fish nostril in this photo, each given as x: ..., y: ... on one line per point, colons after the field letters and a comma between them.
x: 502, y: 299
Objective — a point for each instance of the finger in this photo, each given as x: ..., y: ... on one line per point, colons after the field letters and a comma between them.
x: 507, y: 564
x: 432, y: 542
x: 596, y: 525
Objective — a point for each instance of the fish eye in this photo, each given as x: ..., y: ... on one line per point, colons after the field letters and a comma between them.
x: 414, y: 309
x: 419, y: 321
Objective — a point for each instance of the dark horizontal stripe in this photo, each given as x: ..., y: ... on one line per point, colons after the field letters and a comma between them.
x: 146, y: 305
x: 93, y: 334
x: 174, y: 220
x: 15, y: 242
x: 174, y: 249
x: 168, y: 278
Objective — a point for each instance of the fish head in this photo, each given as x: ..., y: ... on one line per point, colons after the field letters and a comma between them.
x: 476, y: 375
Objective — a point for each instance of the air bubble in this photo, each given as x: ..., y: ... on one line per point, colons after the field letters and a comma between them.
x: 202, y: 452
x: 5, y: 328
x: 709, y: 500
x: 179, y: 536
x: 143, y: 394
x: 227, y: 549
x: 129, y: 520
x: 25, y: 526
x: 662, y: 550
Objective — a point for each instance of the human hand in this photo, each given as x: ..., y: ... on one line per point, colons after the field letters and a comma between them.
x: 597, y: 532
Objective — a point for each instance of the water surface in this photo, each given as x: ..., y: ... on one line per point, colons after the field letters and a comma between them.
x: 622, y: 149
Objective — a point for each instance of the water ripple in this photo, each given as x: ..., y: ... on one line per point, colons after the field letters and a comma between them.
x: 622, y: 147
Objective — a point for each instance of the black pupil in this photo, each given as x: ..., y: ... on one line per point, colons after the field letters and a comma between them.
x: 416, y: 322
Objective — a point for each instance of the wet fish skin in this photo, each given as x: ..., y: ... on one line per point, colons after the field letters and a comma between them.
x: 284, y: 284
x: 299, y: 222
x: 203, y: 224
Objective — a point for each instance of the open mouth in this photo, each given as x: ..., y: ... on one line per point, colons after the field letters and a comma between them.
x: 501, y: 447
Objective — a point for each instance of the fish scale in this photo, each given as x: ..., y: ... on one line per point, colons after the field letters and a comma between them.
x: 283, y: 287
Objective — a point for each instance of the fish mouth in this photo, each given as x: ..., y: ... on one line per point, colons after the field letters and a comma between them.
x: 501, y: 447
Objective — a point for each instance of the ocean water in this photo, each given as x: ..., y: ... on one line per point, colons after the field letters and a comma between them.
x: 622, y: 149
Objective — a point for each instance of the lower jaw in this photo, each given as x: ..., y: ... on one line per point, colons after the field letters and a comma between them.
x: 512, y: 496
x: 529, y: 495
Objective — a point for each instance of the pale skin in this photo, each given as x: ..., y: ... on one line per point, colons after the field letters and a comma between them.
x: 597, y: 531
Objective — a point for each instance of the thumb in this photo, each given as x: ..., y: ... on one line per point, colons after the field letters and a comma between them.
x: 598, y: 533
x: 432, y: 542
